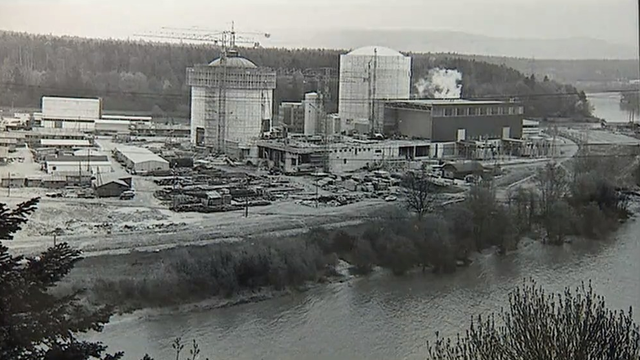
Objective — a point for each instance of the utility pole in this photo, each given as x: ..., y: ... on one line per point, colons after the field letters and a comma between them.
x: 317, y: 179
x: 246, y: 199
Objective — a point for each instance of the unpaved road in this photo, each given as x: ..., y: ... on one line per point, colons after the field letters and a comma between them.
x: 290, y: 219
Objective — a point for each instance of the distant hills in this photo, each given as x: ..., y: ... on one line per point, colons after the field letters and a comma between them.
x: 459, y: 42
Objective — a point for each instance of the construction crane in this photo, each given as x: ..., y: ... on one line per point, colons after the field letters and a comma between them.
x: 227, y: 40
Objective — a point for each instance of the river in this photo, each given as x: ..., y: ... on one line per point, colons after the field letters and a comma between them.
x: 607, y: 106
x: 385, y: 317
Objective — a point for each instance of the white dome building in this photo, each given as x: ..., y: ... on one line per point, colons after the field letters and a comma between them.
x: 371, y: 73
x: 246, y: 103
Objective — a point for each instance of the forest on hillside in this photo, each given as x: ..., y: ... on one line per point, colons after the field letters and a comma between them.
x: 150, y: 77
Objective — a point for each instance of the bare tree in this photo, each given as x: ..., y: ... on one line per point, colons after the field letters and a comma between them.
x: 540, y: 326
x: 553, y: 185
x: 419, y: 194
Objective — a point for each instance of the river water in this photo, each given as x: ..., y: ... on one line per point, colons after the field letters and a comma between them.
x: 607, y: 106
x: 384, y: 317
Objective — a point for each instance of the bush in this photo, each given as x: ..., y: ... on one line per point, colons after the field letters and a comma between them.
x: 536, y: 325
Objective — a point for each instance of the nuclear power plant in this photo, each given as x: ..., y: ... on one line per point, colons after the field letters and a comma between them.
x: 231, y: 104
x: 368, y: 74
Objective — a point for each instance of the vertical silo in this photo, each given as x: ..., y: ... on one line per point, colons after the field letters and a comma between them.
x: 368, y: 74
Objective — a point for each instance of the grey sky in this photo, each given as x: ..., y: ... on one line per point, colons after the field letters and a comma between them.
x: 611, y: 20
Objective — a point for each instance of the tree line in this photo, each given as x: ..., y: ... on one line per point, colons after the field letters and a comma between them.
x: 150, y: 77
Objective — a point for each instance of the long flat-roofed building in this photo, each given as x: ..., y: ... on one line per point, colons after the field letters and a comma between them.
x: 140, y: 160
x: 454, y: 120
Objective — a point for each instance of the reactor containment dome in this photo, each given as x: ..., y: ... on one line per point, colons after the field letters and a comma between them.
x: 368, y: 74
x: 231, y: 101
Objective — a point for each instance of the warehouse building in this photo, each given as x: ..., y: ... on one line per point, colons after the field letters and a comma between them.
x: 69, y: 164
x: 139, y: 160
x: 453, y: 120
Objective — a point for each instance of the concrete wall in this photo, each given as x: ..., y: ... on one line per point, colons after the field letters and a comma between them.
x: 198, y: 103
x: 71, y: 108
x: 446, y: 128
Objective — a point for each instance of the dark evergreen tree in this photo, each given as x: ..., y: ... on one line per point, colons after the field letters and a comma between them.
x: 35, y: 324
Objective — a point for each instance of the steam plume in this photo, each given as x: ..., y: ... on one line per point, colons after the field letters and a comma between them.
x: 440, y: 83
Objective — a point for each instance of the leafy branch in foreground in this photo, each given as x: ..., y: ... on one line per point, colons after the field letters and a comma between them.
x: 574, y: 325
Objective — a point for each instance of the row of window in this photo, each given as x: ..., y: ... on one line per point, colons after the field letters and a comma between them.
x: 378, y: 151
x: 478, y: 111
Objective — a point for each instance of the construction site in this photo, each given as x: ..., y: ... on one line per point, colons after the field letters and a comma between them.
x: 244, y: 157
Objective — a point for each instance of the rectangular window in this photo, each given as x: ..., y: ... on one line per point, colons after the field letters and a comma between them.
x: 378, y: 151
x: 520, y: 110
x: 461, y: 111
x: 499, y: 110
x: 448, y: 112
x: 512, y: 110
x: 483, y: 111
x: 473, y: 111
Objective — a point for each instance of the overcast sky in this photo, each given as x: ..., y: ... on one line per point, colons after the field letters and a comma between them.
x: 611, y: 20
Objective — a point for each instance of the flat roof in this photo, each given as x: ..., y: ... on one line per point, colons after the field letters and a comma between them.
x: 65, y: 142
x: 54, y: 131
x: 450, y: 102
x: 126, y: 117
x: 138, y: 155
x: 102, y: 158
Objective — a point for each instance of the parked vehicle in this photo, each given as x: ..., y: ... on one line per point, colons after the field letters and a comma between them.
x: 127, y: 195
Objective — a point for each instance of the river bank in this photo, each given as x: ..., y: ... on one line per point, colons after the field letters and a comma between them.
x: 365, y: 310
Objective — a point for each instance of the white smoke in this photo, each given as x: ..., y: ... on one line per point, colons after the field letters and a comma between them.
x: 440, y: 84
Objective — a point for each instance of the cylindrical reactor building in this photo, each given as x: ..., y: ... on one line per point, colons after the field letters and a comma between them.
x: 231, y: 99
x: 371, y: 73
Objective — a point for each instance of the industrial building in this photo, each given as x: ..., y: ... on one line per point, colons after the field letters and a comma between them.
x: 231, y: 102
x: 120, y: 124
x: 79, y: 114
x: 69, y: 164
x: 453, y: 120
x: 349, y: 154
x: 65, y: 144
x: 34, y: 136
x: 368, y: 74
x: 139, y: 160
x: 112, y: 185
x: 312, y: 121
x: 291, y: 115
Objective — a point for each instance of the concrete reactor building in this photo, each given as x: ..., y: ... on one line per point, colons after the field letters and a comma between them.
x: 231, y: 102
x: 368, y: 74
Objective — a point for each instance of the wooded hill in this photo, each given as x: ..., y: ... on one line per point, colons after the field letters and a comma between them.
x: 150, y: 77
